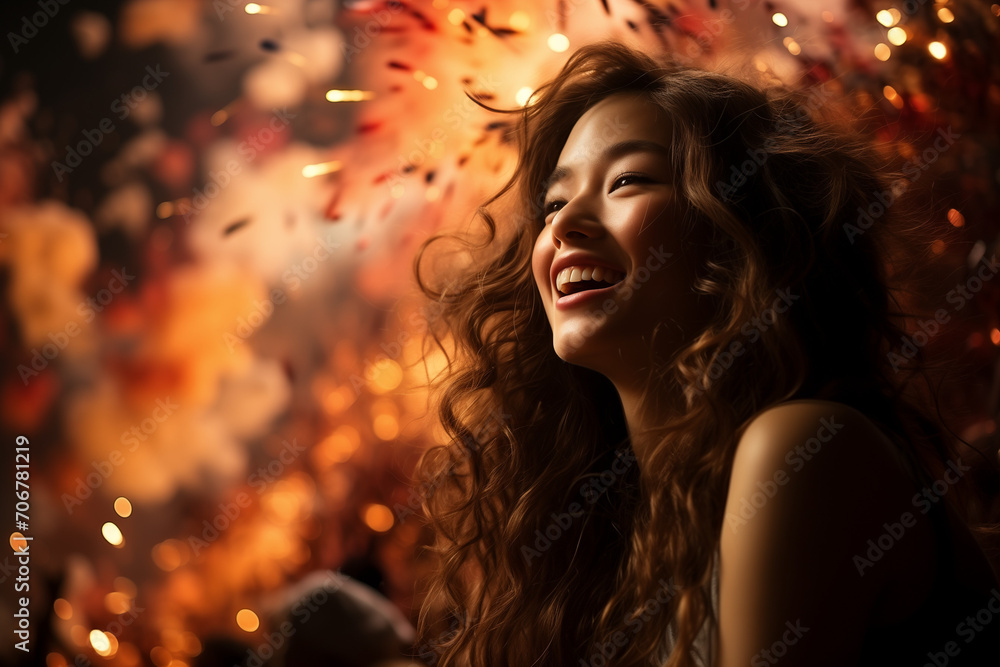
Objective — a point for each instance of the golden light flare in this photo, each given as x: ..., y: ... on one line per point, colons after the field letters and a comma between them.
x: 520, y: 20
x: 523, y: 95
x: 321, y: 168
x: 247, y: 620
x: 956, y: 218
x: 378, y: 517
x: 456, y: 16
x: 99, y: 640
x: 385, y: 427
x: 779, y: 19
x: 888, y: 17
x: 896, y: 36
x: 938, y: 50
x: 123, y: 507
x: 882, y: 51
x: 792, y: 46
x: 63, y: 608
x: 112, y: 534
x: 558, y: 42
x: 385, y: 376
x: 117, y: 602
x: 995, y: 336
x: 337, y: 95
x: 945, y: 15
x: 893, y: 97
x: 430, y: 83
x: 253, y: 9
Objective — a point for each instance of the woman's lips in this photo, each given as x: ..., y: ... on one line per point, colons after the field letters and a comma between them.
x: 577, y: 298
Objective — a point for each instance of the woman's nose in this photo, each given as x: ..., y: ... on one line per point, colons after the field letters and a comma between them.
x: 577, y: 219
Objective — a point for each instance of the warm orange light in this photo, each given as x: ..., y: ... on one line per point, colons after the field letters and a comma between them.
x: 938, y: 50
x: 882, y: 51
x: 378, y: 517
x: 63, y: 609
x: 995, y: 336
x: 247, y: 620
x: 956, y: 218
x: 123, y: 507
x: 112, y: 534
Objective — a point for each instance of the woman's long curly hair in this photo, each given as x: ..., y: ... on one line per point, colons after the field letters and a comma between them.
x: 549, y: 538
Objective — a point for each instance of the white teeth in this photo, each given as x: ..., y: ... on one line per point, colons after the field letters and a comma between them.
x: 574, y: 274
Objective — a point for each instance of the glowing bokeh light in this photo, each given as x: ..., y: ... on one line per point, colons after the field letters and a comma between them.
x: 63, y: 609
x: 112, y: 534
x: 123, y: 507
x: 896, y: 36
x: 247, y: 620
x: 882, y: 51
x: 378, y: 517
x: 937, y: 49
x: 99, y: 640
x: 779, y: 19
x: 558, y: 42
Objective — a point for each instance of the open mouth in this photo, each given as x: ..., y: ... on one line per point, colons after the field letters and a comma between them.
x: 575, y: 279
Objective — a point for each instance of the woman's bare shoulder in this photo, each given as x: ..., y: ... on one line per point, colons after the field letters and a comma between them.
x: 812, y: 481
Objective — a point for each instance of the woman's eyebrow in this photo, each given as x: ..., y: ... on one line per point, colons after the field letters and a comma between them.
x: 611, y: 152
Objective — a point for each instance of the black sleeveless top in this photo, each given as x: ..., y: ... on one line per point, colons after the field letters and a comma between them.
x: 958, y: 623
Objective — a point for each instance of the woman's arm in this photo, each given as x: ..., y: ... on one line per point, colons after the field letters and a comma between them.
x: 812, y: 482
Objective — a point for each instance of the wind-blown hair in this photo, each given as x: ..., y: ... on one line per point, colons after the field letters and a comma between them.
x: 549, y: 537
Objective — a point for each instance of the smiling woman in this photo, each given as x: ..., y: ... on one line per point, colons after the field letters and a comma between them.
x: 703, y: 458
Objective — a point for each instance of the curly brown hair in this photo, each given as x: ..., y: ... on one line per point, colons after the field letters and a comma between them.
x: 550, y: 538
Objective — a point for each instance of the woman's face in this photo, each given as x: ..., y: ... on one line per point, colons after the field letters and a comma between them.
x: 611, y: 206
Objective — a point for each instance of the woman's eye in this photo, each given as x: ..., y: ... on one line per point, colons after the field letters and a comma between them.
x: 552, y: 206
x: 625, y: 179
